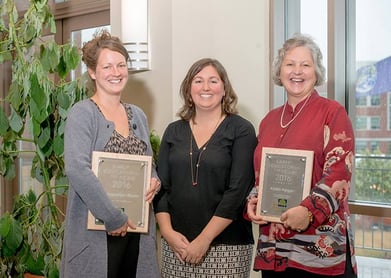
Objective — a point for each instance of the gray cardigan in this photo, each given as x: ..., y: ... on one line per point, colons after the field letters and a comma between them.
x: 85, y: 251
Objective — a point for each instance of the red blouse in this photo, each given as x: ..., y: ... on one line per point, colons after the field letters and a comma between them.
x: 321, y: 125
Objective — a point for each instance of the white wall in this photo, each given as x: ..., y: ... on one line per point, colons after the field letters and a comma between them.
x: 183, y: 31
x: 153, y: 90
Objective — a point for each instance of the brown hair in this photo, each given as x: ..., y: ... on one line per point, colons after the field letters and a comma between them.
x: 228, y: 105
x: 91, y: 51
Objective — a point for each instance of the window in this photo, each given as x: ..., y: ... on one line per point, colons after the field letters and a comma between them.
x: 367, y: 123
x: 361, y: 147
x: 368, y: 100
x: 371, y: 65
x: 318, y: 31
x: 374, y: 123
x: 78, y: 38
x: 361, y: 123
x: 374, y: 100
x: 374, y: 147
x: 361, y: 101
x: 389, y: 112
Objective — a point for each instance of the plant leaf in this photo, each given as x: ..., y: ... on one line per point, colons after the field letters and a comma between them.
x: 16, y: 122
x: 44, y: 137
x: 50, y: 56
x: 15, y: 235
x: 3, y: 122
x: 71, y: 57
x: 5, y: 223
x: 58, y: 145
x: 15, y: 95
x: 62, y: 184
x: 62, y: 68
x: 63, y: 100
x: 13, y: 238
x: 10, y: 168
x: 39, y: 100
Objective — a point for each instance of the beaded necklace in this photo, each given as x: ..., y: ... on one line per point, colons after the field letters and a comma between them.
x: 294, y: 118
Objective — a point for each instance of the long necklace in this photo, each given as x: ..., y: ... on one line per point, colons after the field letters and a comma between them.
x: 194, y: 176
x: 294, y: 118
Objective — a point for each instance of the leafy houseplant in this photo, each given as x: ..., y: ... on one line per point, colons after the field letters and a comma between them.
x: 38, y: 100
x: 154, y: 138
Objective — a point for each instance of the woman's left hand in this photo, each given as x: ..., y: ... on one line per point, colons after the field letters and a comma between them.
x: 152, y: 190
x: 196, y: 250
x: 296, y: 218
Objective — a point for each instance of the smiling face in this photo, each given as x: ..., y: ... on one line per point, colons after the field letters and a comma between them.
x: 207, y: 89
x: 111, y: 73
x: 297, y: 72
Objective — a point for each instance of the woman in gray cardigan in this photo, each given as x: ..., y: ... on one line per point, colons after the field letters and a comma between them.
x: 104, y: 123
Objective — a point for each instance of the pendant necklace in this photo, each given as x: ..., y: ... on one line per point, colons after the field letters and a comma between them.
x: 294, y: 118
x: 194, y: 176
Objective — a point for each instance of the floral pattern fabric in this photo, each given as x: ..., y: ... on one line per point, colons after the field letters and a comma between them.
x: 324, y: 127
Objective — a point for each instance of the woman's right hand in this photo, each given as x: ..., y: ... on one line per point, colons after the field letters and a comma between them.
x: 122, y: 230
x: 251, y: 211
x: 177, y: 242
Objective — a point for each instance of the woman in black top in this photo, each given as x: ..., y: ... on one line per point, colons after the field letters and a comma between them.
x: 205, y: 167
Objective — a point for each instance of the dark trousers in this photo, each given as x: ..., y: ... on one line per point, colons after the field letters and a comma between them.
x: 122, y: 255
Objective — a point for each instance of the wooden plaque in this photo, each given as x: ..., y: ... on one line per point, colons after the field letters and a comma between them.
x: 125, y: 178
x: 284, y: 181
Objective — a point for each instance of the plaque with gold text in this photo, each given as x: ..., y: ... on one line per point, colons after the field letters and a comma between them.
x: 284, y: 181
x: 125, y: 178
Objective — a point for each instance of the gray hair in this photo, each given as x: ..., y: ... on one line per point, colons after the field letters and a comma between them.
x: 296, y: 41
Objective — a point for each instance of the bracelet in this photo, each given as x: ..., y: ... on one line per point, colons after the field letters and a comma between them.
x: 310, y: 217
x: 253, y: 193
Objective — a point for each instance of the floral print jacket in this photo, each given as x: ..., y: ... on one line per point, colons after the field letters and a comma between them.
x: 322, y: 126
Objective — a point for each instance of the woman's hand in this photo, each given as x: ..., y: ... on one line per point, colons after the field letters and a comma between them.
x: 251, y: 211
x: 296, y: 218
x: 152, y: 190
x: 178, y: 244
x: 122, y: 230
x: 196, y: 250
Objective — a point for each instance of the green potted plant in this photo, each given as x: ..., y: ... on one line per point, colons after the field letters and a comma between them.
x: 154, y: 138
x: 38, y: 100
